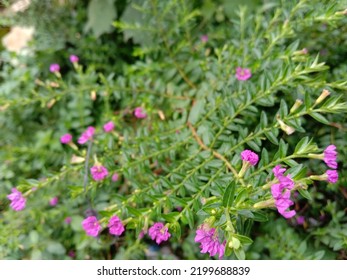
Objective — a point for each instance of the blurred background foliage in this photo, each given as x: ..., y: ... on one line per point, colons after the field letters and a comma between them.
x: 114, y: 41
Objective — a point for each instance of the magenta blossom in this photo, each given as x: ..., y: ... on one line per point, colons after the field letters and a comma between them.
x: 68, y: 220
x: 115, y: 226
x: 18, y: 201
x: 86, y: 135
x: 243, y: 74
x: 74, y: 58
x: 330, y: 156
x: 54, y: 201
x: 159, y: 233
x: 249, y: 156
x: 204, y: 38
x: 115, y: 177
x: 54, y: 68
x: 278, y: 171
x: 108, y: 127
x: 300, y: 220
x: 209, y: 242
x: 140, y: 113
x: 91, y: 226
x: 98, y: 172
x: 66, y: 138
x: 332, y: 176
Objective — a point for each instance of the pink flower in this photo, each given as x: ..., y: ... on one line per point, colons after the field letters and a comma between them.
x: 159, y: 233
x: 139, y: 113
x: 300, y: 220
x: 54, y: 68
x: 86, y: 135
x: 115, y: 226
x: 209, y: 242
x: 74, y: 58
x: 332, y: 175
x: 278, y: 171
x: 108, y: 127
x: 17, y: 200
x: 141, y: 234
x: 330, y: 156
x: 68, y: 220
x: 204, y: 38
x: 72, y: 254
x: 251, y: 157
x: 98, y: 172
x: 53, y: 201
x: 91, y: 226
x: 115, y: 177
x: 243, y: 74
x: 66, y: 138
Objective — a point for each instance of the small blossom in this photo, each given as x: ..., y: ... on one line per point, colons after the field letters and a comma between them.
x: 91, y: 226
x: 332, y: 176
x: 54, y: 68
x: 115, y: 226
x: 325, y: 93
x: 17, y: 200
x: 68, y: 220
x: 115, y: 177
x: 159, y: 233
x: 300, y: 220
x: 278, y: 171
x: 251, y: 157
x: 98, y: 172
x: 139, y: 113
x: 54, y: 201
x: 209, y: 242
x: 243, y: 74
x: 74, y: 58
x: 330, y: 156
x: 108, y: 127
x: 72, y: 254
x: 66, y: 138
x: 204, y: 38
x: 141, y: 234
x: 86, y: 135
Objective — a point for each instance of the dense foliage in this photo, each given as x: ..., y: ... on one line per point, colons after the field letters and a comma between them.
x: 189, y: 86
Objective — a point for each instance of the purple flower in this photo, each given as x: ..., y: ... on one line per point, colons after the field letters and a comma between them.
x: 66, y: 138
x: 251, y: 157
x: 91, y: 226
x: 330, y: 156
x: 72, y: 254
x: 300, y: 220
x: 53, y: 201
x: 17, y: 200
x: 243, y: 74
x: 98, y: 172
x: 68, y: 220
x: 74, y: 58
x: 278, y: 171
x: 332, y: 176
x: 209, y: 242
x: 204, y: 38
x: 115, y: 226
x: 86, y: 135
x: 139, y: 113
x: 159, y: 233
x: 54, y: 68
x: 108, y: 127
x: 115, y: 177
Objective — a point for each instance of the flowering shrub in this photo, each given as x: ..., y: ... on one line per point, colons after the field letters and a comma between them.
x: 185, y: 147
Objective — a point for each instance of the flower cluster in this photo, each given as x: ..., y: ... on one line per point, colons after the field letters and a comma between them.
x: 281, y: 192
x: 98, y: 172
x: 243, y: 74
x: 92, y: 226
x: 115, y: 226
x: 18, y: 201
x: 209, y: 241
x: 159, y: 232
x: 86, y: 135
x: 249, y: 156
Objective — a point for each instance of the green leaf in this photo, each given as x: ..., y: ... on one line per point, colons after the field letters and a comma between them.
x: 308, y: 101
x: 260, y: 217
x: 305, y: 194
x: 170, y: 217
x: 319, y: 117
x: 271, y: 136
x: 242, y: 196
x: 228, y: 197
x: 196, y: 111
x: 101, y: 14
x: 301, y: 146
x: 56, y: 248
x: 283, y: 109
x: 240, y: 253
x: 253, y: 146
x: 244, y: 239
